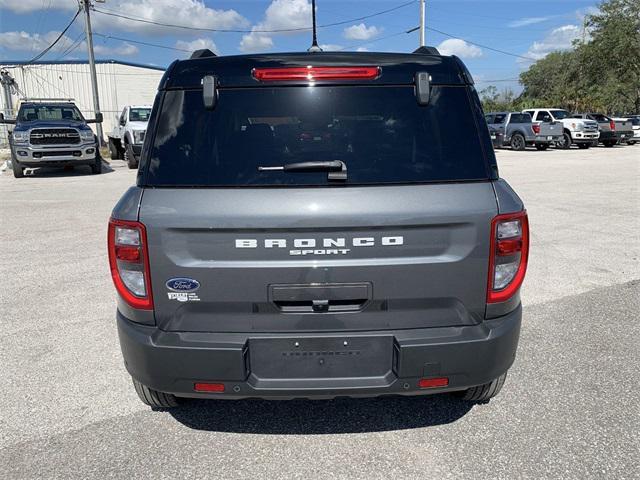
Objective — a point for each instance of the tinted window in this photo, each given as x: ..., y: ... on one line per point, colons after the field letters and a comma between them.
x: 542, y: 116
x: 560, y: 114
x: 598, y: 117
x: 520, y: 118
x: 499, y: 118
x: 381, y: 134
x: 48, y: 112
x: 139, y: 114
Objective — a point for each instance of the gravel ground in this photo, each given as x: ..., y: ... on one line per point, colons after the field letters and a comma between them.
x: 569, y: 408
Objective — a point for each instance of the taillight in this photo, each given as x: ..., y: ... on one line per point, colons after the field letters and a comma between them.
x: 129, y: 262
x: 315, y: 73
x: 612, y: 125
x: 508, y: 255
x: 535, y: 128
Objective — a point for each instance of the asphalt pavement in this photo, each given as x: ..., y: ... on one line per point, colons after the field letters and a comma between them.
x: 570, y: 407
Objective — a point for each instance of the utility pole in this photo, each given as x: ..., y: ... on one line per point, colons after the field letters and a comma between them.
x: 86, y: 4
x: 7, y: 81
x: 422, y: 24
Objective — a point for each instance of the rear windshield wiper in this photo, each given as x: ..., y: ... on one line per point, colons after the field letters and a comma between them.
x: 337, y: 168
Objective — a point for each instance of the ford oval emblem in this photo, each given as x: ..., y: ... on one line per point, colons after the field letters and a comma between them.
x: 183, y: 284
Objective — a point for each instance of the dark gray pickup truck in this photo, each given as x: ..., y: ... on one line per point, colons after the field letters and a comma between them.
x: 304, y: 226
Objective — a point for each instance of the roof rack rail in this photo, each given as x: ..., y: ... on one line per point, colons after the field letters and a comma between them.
x: 58, y: 100
x: 427, y: 51
x: 202, y: 53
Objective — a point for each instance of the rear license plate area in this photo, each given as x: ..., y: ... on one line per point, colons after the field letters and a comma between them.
x: 320, y: 357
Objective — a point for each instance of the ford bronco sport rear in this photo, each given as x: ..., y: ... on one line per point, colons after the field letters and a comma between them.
x: 302, y: 226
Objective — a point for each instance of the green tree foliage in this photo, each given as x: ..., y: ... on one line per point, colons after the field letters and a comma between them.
x: 599, y: 74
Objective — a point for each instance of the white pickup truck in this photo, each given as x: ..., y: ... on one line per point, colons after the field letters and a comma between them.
x: 580, y: 131
x: 127, y: 137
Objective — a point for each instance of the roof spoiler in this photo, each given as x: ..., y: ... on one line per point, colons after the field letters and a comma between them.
x: 202, y: 53
x: 427, y: 51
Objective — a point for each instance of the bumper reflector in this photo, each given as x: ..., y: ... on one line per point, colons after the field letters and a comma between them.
x: 433, y: 382
x: 208, y: 387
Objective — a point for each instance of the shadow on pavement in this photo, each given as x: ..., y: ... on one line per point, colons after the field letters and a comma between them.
x: 342, y: 415
x: 76, y: 171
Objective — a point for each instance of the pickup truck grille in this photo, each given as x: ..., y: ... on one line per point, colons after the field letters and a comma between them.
x: 54, y: 136
x: 591, y: 127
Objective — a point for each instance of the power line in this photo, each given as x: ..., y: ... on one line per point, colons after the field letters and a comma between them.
x: 44, y: 52
x: 482, y: 46
x: 141, y: 43
x: 75, y: 44
x: 282, y: 30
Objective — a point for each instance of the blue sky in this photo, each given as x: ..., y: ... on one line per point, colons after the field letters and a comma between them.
x: 530, y: 29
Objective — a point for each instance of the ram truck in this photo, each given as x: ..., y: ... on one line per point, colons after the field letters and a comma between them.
x: 579, y: 131
x: 52, y: 134
x: 127, y: 137
x: 303, y: 227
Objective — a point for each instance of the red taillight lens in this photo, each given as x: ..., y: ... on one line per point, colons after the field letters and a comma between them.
x: 208, y: 387
x: 535, y: 128
x: 433, y: 382
x: 315, y: 73
x: 129, y: 262
x: 508, y: 256
x: 612, y: 125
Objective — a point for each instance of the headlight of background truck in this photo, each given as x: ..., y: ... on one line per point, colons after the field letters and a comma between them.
x: 86, y: 134
x: 20, y: 137
x: 138, y: 136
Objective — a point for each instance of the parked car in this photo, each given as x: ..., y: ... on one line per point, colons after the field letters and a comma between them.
x: 497, y: 137
x: 125, y: 142
x: 581, y: 132
x: 385, y: 258
x: 624, y: 130
x: 606, y: 126
x: 54, y: 134
x: 518, y: 130
x: 635, y: 125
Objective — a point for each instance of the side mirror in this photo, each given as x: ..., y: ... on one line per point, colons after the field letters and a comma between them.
x: 98, y: 118
x: 122, y: 122
x: 210, y: 91
x: 423, y: 88
x: 6, y: 120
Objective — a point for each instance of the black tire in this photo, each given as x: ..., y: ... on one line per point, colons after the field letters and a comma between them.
x: 584, y: 146
x: 114, y: 149
x: 609, y: 144
x: 153, y: 398
x: 542, y: 146
x: 96, y: 166
x: 631, y: 142
x: 484, y: 393
x: 129, y: 157
x: 18, y: 170
x: 565, y: 143
x: 518, y: 142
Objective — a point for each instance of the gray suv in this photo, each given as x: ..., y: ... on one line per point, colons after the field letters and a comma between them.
x: 302, y: 227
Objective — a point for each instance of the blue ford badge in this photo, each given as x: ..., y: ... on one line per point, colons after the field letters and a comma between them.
x: 183, y: 284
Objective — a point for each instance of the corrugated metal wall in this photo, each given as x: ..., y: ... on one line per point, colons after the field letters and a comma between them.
x: 118, y: 85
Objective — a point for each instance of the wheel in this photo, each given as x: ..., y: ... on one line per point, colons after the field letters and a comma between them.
x: 565, y: 143
x: 129, y: 157
x: 153, y: 398
x: 541, y: 146
x: 631, y: 142
x: 114, y: 149
x: 483, y: 393
x: 96, y: 166
x: 609, y: 143
x: 517, y: 142
x: 584, y: 146
x: 18, y: 170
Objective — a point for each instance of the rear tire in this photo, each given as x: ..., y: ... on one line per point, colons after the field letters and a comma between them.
x: 518, y: 142
x: 631, y: 142
x: 114, y: 149
x: 153, y: 398
x: 484, y: 393
x: 565, y: 143
x: 541, y: 146
x: 584, y: 146
x: 609, y: 144
x: 129, y: 157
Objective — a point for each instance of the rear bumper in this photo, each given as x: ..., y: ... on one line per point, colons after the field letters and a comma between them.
x: 542, y: 139
x: 173, y: 361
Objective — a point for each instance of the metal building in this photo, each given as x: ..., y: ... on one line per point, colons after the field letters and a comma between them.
x: 119, y: 84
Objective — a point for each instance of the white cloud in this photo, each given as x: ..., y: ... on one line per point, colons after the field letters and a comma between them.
x: 193, y: 13
x: 523, y: 22
x: 457, y: 46
x: 331, y: 47
x: 280, y: 14
x: 560, y: 38
x: 35, y: 42
x: 197, y: 44
x: 361, y: 32
x: 27, y: 6
x: 362, y: 49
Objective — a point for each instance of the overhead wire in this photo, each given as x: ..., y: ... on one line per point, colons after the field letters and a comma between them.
x: 46, y: 50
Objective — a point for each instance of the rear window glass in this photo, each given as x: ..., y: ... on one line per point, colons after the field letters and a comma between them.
x: 380, y: 133
x: 520, y: 118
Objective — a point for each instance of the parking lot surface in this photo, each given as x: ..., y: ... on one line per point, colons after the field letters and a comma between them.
x: 570, y: 407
